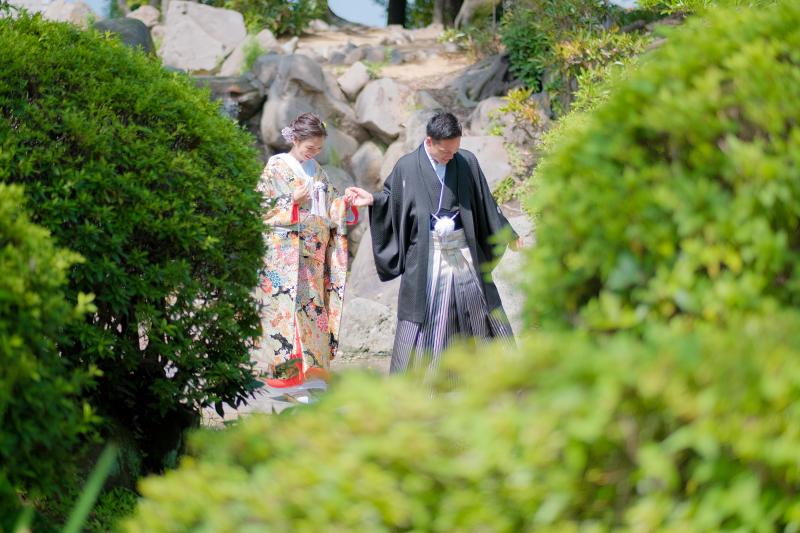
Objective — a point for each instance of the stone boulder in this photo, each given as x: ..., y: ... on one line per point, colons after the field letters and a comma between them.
x: 354, y: 79
x: 147, y: 14
x: 78, y: 13
x: 364, y: 281
x: 200, y: 37
x: 379, y: 108
x: 417, y: 128
x: 481, y: 123
x: 291, y: 45
x: 367, y: 327
x: 296, y: 85
x: 159, y: 31
x: 235, y: 64
x: 133, y: 32
x: 393, y: 154
x: 366, y: 165
x: 424, y: 100
x: 246, y: 91
x: 333, y: 87
x: 340, y: 179
x: 266, y: 67
x: 492, y: 157
x: 338, y: 146
x: 509, y: 274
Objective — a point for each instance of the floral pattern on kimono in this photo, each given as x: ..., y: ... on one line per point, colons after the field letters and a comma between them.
x: 305, y: 269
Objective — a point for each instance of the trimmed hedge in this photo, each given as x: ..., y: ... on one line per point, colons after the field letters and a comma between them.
x: 677, y: 432
x: 42, y: 418
x: 137, y: 170
x: 681, y: 194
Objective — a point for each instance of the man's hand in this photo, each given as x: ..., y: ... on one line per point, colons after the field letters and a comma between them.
x: 301, y: 195
x: 357, y: 197
x: 516, y: 245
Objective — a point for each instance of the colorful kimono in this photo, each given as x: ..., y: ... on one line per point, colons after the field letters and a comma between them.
x: 305, y: 268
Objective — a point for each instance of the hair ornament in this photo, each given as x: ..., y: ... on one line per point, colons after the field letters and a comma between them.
x: 288, y: 133
x: 324, y: 125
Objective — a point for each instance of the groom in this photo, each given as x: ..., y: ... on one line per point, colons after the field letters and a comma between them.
x: 433, y: 225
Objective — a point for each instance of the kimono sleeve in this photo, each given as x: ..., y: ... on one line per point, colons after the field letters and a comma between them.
x: 385, y: 216
x: 489, y: 218
x: 277, y: 198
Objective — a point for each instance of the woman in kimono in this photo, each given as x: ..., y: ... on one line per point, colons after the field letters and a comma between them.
x: 305, y: 268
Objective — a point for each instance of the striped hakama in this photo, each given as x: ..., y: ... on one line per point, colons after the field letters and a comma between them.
x: 456, y: 311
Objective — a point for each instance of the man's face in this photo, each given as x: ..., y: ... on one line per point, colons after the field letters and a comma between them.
x: 443, y: 151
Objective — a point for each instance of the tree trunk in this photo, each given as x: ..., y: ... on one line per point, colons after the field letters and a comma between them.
x: 451, y: 9
x: 438, y: 11
x: 396, y: 12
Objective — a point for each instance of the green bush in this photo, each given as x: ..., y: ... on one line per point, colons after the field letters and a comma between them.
x: 137, y: 170
x: 42, y: 420
x: 677, y: 432
x: 525, y: 43
x: 281, y: 17
x: 679, y: 195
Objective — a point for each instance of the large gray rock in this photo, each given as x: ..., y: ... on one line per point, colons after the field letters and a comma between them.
x: 147, y: 14
x: 130, y: 31
x: 235, y: 64
x: 364, y: 281
x: 78, y: 13
x: 416, y: 128
x: 297, y: 85
x: 366, y: 165
x: 393, y: 154
x: 340, y: 179
x: 510, y: 272
x: 338, y: 146
x: 367, y: 327
x: 492, y: 157
x: 425, y: 100
x: 159, y: 31
x: 379, y: 108
x: 333, y: 87
x: 200, y: 37
x: 245, y: 91
x: 291, y: 45
x: 266, y: 68
x: 354, y: 79
x: 486, y: 116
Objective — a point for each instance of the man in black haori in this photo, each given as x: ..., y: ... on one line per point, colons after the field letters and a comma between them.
x: 432, y: 224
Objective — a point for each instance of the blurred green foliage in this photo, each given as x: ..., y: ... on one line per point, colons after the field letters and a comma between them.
x: 551, y: 42
x: 679, y: 431
x: 42, y: 417
x: 137, y: 170
x: 678, y: 195
x: 281, y: 17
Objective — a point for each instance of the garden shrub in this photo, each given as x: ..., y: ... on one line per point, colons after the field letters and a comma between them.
x: 281, y: 17
x: 42, y: 420
x: 681, y: 431
x: 679, y: 195
x: 524, y: 42
x: 137, y: 170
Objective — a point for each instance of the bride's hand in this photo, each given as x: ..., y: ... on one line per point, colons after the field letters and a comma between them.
x: 357, y: 197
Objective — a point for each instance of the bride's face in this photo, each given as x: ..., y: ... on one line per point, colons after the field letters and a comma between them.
x: 308, y: 148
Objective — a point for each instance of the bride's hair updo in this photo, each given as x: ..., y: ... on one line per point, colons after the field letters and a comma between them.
x: 306, y: 126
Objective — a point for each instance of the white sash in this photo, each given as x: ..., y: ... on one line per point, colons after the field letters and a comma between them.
x: 318, y: 205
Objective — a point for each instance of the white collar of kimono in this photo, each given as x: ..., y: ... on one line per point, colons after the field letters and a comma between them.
x: 438, y: 168
x: 306, y: 172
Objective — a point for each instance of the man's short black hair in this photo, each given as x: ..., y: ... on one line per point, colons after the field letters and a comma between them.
x: 443, y: 126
